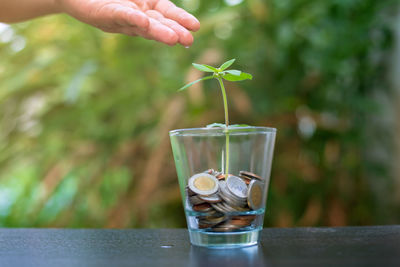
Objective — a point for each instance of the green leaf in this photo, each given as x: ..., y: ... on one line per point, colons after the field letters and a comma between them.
x: 235, y: 78
x: 211, y: 68
x: 234, y: 72
x: 227, y: 64
x: 196, y: 81
x: 202, y: 67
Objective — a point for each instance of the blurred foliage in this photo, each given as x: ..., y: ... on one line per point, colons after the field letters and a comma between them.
x: 85, y: 115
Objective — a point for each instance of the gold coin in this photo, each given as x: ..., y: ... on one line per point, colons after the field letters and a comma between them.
x: 255, y: 195
x: 203, y: 184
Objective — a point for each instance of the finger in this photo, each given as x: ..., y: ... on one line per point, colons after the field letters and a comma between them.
x: 140, y: 32
x: 170, y: 11
x: 128, y: 31
x: 125, y: 16
x: 159, y: 32
x: 131, y: 31
x: 185, y: 37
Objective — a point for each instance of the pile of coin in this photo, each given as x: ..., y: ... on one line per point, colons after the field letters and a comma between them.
x: 221, y: 198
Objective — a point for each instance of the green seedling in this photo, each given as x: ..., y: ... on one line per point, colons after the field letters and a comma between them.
x: 220, y: 74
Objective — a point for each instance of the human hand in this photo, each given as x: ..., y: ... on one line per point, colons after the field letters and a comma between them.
x: 158, y: 20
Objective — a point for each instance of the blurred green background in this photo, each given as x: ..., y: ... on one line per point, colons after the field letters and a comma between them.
x: 85, y: 115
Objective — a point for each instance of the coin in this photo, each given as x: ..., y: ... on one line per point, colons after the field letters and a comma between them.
x: 225, y: 227
x: 228, y: 207
x: 250, y: 175
x: 202, y: 207
x: 207, y: 222
x: 203, y: 225
x: 217, y: 173
x: 247, y: 182
x: 195, y: 200
x: 241, y: 209
x: 190, y: 192
x: 237, y: 187
x: 254, y: 198
x: 219, y: 207
x: 209, y: 213
x: 221, y: 199
x: 246, y: 179
x: 203, y: 184
x: 215, y: 220
x: 228, y: 197
x: 204, y: 220
x: 246, y: 217
x: 222, y: 229
x: 220, y: 176
x: 240, y: 222
x: 214, y: 198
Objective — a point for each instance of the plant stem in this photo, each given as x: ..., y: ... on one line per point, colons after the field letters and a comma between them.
x: 226, y: 124
x: 225, y: 101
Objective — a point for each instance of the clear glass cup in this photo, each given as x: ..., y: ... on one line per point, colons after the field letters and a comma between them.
x: 224, y: 200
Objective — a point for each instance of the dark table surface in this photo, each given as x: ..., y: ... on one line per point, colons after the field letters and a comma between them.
x: 343, y: 246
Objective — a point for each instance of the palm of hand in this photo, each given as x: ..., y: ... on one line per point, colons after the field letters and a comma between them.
x: 158, y: 20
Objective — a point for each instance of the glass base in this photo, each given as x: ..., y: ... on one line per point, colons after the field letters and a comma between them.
x: 224, y: 240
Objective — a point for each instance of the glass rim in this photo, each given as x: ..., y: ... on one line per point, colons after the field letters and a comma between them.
x: 244, y: 129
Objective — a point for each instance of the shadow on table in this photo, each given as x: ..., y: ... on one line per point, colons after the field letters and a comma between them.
x: 249, y: 256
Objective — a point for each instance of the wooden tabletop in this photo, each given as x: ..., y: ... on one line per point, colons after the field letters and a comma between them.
x: 343, y: 246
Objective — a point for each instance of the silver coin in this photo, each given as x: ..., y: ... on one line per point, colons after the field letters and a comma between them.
x: 237, y: 187
x: 211, y: 221
x: 241, y: 209
x: 206, y: 223
x: 211, y: 212
x: 195, y: 200
x: 225, y: 192
x: 214, y: 198
x: 215, y: 220
x: 203, y: 184
x: 226, y: 197
x: 255, y: 195
x: 189, y: 192
x: 229, y: 197
x: 237, y: 208
x: 224, y: 207
x: 228, y: 208
x: 219, y: 207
